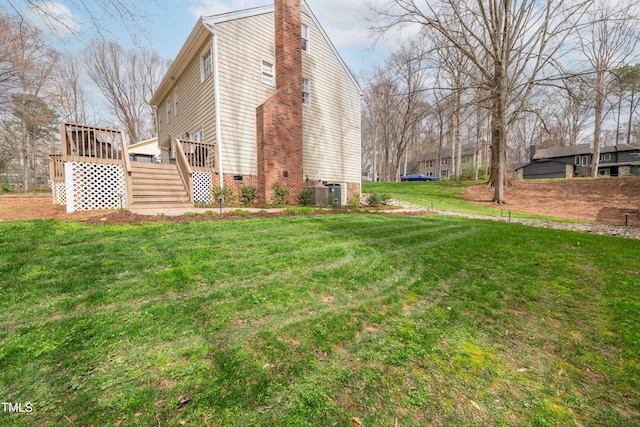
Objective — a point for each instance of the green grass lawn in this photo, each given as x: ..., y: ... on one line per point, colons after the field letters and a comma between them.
x: 440, y: 195
x: 318, y: 321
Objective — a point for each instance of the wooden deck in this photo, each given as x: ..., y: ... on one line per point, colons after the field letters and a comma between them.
x: 148, y: 185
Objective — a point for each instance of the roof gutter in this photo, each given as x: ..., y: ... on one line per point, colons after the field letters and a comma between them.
x: 216, y: 97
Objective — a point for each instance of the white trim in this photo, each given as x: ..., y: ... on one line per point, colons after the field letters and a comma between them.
x: 308, y: 91
x: 216, y: 96
x: 272, y: 74
x: 203, y: 55
x: 306, y: 37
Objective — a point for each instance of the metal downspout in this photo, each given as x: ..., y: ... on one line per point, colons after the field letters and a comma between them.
x: 216, y: 97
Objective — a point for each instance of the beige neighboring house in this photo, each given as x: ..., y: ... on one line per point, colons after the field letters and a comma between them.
x: 268, y: 98
x: 148, y: 148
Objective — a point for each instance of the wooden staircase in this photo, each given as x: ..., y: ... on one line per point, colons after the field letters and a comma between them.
x: 158, y: 186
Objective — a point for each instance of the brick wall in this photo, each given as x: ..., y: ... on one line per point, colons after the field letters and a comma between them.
x: 279, y: 119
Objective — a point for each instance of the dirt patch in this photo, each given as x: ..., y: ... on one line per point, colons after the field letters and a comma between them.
x: 603, y: 200
x: 15, y: 207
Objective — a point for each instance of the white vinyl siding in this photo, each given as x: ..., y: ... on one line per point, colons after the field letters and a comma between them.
x: 332, y: 120
x: 241, y: 91
x: 197, y: 107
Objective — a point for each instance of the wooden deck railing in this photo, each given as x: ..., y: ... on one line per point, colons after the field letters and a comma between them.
x: 194, y: 156
x: 184, y: 168
x: 91, y: 144
x: 81, y: 143
x: 56, y: 168
x: 201, y: 156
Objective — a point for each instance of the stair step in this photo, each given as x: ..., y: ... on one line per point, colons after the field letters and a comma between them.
x: 158, y: 186
x: 178, y: 192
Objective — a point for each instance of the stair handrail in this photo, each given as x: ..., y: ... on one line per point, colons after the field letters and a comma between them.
x: 127, y: 168
x: 184, y: 168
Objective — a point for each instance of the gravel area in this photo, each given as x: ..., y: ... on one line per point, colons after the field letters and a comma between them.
x: 583, y: 227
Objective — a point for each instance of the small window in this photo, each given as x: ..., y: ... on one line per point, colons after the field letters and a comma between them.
x: 585, y: 160
x: 306, y: 91
x: 605, y: 157
x: 168, y: 108
x: 205, y: 65
x: 268, y: 73
x: 305, y: 38
x: 175, y: 101
x: 577, y: 162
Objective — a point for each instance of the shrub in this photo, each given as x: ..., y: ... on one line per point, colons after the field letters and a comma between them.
x: 5, y: 186
x: 281, y: 193
x: 305, y: 197
x: 354, y: 201
x: 377, y: 199
x: 249, y: 193
x: 226, y: 192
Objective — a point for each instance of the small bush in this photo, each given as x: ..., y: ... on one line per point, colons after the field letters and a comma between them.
x: 305, y: 197
x: 377, y: 199
x: 226, y: 192
x: 354, y: 201
x: 5, y: 185
x: 281, y: 193
x: 249, y: 194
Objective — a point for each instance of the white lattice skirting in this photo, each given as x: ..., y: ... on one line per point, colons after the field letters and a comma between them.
x: 92, y: 186
x: 202, y: 183
x: 58, y: 193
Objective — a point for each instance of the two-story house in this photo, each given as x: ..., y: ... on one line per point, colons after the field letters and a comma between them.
x: 576, y: 160
x: 267, y: 98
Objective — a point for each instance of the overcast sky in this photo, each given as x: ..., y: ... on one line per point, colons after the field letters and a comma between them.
x: 168, y: 25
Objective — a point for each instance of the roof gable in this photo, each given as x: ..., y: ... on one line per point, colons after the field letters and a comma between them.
x: 201, y: 31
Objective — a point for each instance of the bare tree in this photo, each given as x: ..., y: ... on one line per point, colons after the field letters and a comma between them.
x: 67, y: 92
x: 395, y: 108
x: 607, y: 42
x: 510, y: 44
x: 32, y: 62
x: 60, y: 17
x: 127, y: 79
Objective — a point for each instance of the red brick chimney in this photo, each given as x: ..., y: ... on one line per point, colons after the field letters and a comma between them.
x: 279, y: 119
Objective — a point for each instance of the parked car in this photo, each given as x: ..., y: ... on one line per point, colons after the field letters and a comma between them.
x: 419, y: 177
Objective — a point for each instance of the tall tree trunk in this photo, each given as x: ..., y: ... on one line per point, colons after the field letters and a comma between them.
x: 597, y: 130
x: 630, y: 116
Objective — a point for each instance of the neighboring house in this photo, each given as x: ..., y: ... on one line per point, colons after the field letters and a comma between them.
x: 440, y: 162
x: 145, y: 151
x: 266, y: 94
x: 575, y: 161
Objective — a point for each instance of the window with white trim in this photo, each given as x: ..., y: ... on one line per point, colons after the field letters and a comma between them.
x: 205, y: 65
x: 585, y: 160
x: 167, y: 107
x: 268, y: 73
x: 306, y: 91
x: 305, y: 38
x: 606, y: 157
